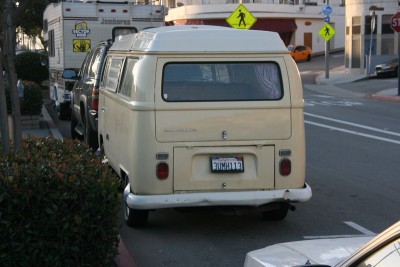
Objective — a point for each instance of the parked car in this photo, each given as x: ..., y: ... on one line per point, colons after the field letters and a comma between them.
x: 300, y: 52
x: 387, y: 69
x: 85, y: 94
x: 380, y: 251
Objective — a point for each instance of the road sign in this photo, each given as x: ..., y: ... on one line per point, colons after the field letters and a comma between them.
x: 395, y: 22
x: 241, y: 18
x: 327, y: 32
x: 327, y: 10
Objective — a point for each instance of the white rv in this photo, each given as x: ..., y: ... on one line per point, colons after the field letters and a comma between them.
x: 71, y: 28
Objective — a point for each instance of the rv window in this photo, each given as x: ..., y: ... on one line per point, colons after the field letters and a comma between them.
x: 222, y: 81
x: 51, y: 44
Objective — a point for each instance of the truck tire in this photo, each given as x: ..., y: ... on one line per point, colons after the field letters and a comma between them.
x: 74, y: 123
x: 63, y: 111
x: 134, y: 217
x: 90, y: 137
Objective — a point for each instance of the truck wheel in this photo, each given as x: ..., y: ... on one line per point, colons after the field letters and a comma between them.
x: 91, y: 137
x: 277, y: 214
x: 63, y: 111
x: 309, y: 58
x: 133, y: 217
x: 74, y: 123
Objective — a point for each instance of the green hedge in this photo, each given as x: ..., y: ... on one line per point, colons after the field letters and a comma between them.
x: 28, y: 66
x: 33, y: 99
x: 59, y: 206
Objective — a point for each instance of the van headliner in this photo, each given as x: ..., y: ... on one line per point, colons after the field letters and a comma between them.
x: 201, y: 38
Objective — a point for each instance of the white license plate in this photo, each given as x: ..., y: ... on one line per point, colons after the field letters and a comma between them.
x: 227, y: 164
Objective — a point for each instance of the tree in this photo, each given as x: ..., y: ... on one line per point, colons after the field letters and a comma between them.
x: 15, y: 13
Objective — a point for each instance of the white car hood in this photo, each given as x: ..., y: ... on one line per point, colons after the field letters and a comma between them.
x: 318, y: 251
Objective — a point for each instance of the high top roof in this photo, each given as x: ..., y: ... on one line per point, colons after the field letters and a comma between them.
x: 200, y: 38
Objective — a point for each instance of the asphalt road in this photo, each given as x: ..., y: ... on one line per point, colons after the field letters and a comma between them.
x: 353, y: 151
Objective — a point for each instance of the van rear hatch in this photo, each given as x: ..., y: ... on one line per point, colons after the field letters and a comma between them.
x: 223, y: 119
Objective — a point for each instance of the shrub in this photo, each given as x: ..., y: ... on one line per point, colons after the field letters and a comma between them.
x: 28, y: 66
x: 59, y: 206
x: 33, y: 100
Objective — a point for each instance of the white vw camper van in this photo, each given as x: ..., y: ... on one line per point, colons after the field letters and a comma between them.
x: 193, y: 116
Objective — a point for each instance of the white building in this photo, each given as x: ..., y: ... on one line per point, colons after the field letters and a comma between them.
x: 384, y: 44
x: 297, y: 21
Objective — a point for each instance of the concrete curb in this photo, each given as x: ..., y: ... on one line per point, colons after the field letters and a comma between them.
x: 124, y: 259
x: 50, y: 124
x: 386, y: 98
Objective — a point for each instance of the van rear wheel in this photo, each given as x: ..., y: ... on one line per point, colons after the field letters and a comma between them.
x: 134, y: 217
x: 277, y: 214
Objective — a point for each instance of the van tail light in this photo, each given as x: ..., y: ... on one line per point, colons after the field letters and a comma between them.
x: 162, y: 170
x: 95, y: 98
x: 285, y: 167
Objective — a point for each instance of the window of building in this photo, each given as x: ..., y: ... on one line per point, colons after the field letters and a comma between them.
x: 368, y: 20
x: 356, y: 25
x: 386, y: 29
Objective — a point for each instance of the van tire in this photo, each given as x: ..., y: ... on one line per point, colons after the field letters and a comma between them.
x: 277, y: 214
x: 309, y: 58
x: 133, y: 217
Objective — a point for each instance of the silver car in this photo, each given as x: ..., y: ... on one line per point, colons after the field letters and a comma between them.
x: 380, y: 251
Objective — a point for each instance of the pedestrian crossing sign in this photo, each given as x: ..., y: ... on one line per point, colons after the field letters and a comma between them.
x: 327, y: 32
x: 241, y: 18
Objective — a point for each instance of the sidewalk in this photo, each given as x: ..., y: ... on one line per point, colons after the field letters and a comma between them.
x: 339, y: 76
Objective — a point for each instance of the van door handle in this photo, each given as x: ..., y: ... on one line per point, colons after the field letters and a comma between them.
x: 103, y: 109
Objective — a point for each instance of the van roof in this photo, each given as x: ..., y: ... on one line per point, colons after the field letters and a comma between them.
x: 200, y: 38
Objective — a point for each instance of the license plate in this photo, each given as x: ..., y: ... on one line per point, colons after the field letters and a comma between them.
x: 227, y: 164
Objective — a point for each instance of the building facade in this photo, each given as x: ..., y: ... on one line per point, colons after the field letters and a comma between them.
x: 297, y: 21
x: 366, y: 41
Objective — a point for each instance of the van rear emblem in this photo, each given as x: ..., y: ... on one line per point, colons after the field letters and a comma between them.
x: 224, y: 135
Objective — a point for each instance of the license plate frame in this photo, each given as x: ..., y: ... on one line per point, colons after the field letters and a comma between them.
x: 227, y: 164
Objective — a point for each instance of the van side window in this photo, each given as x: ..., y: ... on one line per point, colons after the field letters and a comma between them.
x: 112, y: 73
x: 222, y: 81
x: 128, y: 77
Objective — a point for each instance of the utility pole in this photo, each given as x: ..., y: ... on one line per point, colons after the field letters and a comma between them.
x: 327, y: 48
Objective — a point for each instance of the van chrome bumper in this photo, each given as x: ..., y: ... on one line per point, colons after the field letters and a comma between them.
x: 243, y: 198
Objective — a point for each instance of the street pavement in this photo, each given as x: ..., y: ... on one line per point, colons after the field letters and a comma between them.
x: 338, y: 82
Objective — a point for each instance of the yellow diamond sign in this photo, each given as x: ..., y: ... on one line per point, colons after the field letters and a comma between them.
x: 327, y: 32
x: 241, y: 18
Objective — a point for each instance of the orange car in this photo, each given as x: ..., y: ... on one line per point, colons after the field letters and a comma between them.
x: 300, y: 52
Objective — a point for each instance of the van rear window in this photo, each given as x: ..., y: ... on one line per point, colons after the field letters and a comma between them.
x: 221, y: 81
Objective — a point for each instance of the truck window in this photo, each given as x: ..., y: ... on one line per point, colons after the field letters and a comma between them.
x: 222, y: 81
